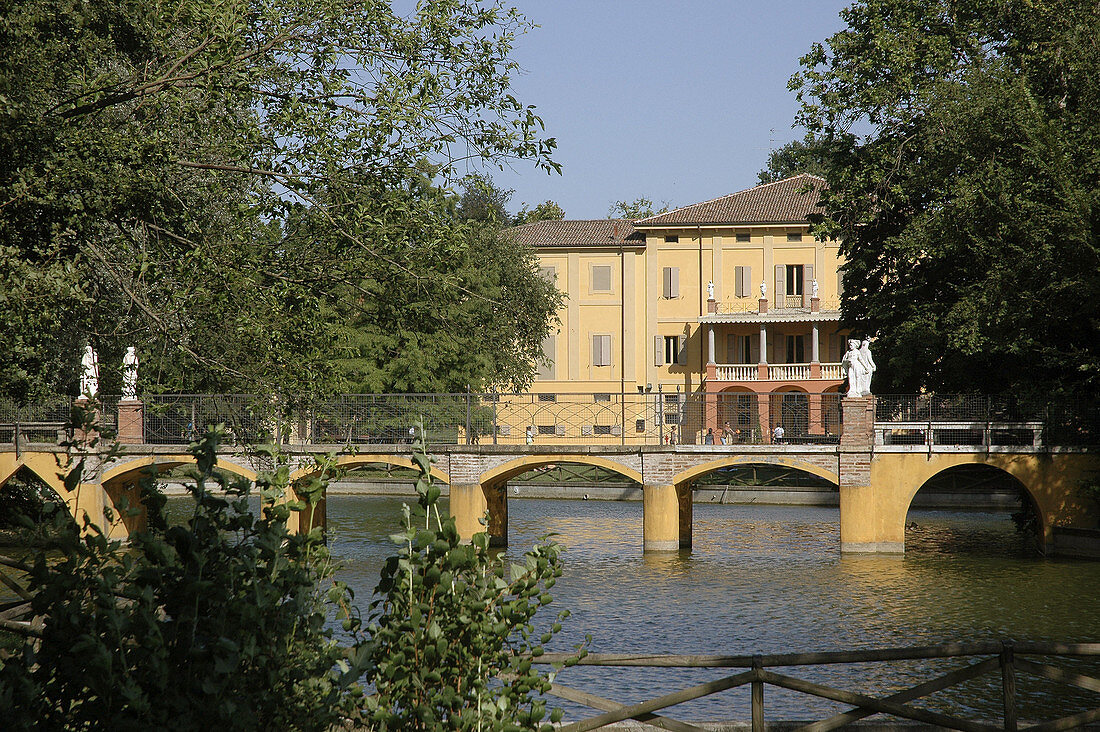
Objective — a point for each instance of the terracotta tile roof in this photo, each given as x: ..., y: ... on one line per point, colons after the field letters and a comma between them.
x: 571, y: 233
x: 771, y: 203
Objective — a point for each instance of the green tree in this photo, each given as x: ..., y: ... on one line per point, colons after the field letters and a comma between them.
x: 452, y: 631
x: 545, y: 211
x: 220, y: 623
x: 968, y: 203
x: 639, y: 208
x: 157, y: 159
x: 484, y: 202
x: 808, y: 155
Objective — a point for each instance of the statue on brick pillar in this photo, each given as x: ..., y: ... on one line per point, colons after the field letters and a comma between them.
x: 853, y: 368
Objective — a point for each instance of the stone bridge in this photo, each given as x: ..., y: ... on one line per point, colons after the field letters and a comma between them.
x: 876, y: 482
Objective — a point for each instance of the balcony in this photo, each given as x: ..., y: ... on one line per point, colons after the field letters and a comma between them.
x: 776, y: 372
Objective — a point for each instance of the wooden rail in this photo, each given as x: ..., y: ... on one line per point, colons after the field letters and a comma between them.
x: 982, y: 659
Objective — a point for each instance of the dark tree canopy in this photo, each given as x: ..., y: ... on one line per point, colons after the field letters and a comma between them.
x: 969, y: 203
x: 808, y: 155
x: 159, y: 163
x: 545, y: 211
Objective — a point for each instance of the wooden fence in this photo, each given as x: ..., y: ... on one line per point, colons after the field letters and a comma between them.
x: 1006, y: 659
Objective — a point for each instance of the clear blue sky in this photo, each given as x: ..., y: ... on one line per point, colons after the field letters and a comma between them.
x: 674, y: 101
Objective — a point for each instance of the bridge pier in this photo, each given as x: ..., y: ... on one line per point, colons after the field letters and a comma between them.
x: 863, y: 527
x: 469, y: 504
x: 666, y: 517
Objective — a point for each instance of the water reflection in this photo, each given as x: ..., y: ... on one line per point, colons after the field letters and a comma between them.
x: 771, y: 579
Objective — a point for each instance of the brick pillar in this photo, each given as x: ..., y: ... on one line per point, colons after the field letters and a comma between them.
x: 861, y: 528
x: 815, y: 304
x: 817, y: 421
x: 712, y: 306
x: 762, y: 305
x: 131, y: 422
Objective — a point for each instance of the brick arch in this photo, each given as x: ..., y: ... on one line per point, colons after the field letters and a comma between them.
x: 163, y: 462
x: 356, y: 461
x: 512, y: 468
x: 686, y: 476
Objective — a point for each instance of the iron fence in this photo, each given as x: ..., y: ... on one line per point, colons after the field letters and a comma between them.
x: 661, y: 417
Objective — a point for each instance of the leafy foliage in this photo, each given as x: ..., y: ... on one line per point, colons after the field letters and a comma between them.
x: 545, y: 211
x: 808, y: 155
x: 216, y: 624
x: 450, y: 618
x: 639, y: 208
x: 969, y: 211
x: 157, y: 159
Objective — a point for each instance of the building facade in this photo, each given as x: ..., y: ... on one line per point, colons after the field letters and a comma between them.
x: 723, y: 314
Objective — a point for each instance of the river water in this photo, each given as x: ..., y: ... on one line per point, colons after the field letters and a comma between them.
x: 771, y: 579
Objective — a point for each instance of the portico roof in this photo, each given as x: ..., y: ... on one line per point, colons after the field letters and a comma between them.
x: 791, y: 315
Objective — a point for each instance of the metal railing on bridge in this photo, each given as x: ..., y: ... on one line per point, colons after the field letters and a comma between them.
x: 660, y: 417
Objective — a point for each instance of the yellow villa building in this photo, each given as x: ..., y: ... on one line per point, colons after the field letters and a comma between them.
x: 722, y: 315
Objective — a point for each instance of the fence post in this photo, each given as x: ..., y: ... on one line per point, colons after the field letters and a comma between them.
x: 757, y: 696
x: 495, y: 429
x: 1008, y: 685
x: 16, y: 437
x: 468, y: 440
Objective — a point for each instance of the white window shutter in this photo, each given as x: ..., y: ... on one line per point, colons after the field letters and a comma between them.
x: 597, y: 355
x: 754, y: 345
x: 839, y: 284
x: 675, y: 282
x: 780, y: 283
x: 738, y: 276
x: 559, y: 430
x: 747, y: 286
x: 616, y: 429
x: 732, y: 350
x: 808, y: 284
x: 658, y: 350
x: 681, y: 350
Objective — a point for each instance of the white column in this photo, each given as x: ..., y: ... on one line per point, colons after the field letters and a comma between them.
x: 710, y: 344
x: 764, y: 343
x: 814, y: 347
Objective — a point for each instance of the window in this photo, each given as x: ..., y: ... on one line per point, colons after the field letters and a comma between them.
x: 794, y: 236
x: 839, y: 284
x: 549, y: 346
x: 601, y: 429
x: 601, y: 278
x: 796, y: 349
x: 795, y: 278
x: 672, y: 239
x: 743, y: 281
x: 601, y: 397
x: 601, y: 350
x: 639, y: 425
x: 671, y: 282
x: 744, y: 237
x: 547, y: 429
x: 670, y: 350
x: 548, y: 397
x: 739, y: 349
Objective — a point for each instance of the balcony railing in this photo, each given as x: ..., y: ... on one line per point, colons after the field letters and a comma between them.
x: 776, y: 372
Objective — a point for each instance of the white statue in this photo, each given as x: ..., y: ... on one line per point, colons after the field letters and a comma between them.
x: 813, y: 287
x: 852, y: 367
x: 710, y: 290
x: 89, y: 373
x: 868, y: 365
x: 763, y: 288
x: 129, y: 375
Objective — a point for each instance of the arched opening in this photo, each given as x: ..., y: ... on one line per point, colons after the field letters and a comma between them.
x: 25, y: 494
x: 973, y: 509
x: 832, y: 416
x: 546, y: 477
x: 765, y: 484
x: 739, y: 415
x: 789, y: 408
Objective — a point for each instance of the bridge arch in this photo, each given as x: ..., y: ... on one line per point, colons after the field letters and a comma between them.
x: 502, y: 473
x: 686, y: 476
x: 1051, y: 482
x: 127, y: 470
x: 352, y: 462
